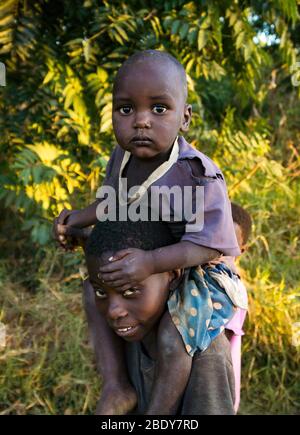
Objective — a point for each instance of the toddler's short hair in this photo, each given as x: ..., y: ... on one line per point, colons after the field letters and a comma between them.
x: 157, y: 55
x: 243, y: 219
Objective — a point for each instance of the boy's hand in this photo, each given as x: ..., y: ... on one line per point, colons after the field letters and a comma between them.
x: 127, y: 268
x: 60, y: 234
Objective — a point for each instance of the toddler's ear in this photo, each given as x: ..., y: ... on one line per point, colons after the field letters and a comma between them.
x: 186, y: 119
x: 175, y: 278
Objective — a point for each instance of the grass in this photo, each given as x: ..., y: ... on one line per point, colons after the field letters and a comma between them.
x: 271, y: 357
x: 47, y: 365
x: 270, y: 374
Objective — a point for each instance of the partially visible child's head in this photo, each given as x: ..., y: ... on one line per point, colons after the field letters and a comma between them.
x: 242, y: 224
x: 130, y: 313
x: 149, y: 103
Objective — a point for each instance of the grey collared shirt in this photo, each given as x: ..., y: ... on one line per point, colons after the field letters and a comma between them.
x: 191, y: 168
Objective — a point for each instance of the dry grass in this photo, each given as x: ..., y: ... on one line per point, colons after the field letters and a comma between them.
x: 46, y: 366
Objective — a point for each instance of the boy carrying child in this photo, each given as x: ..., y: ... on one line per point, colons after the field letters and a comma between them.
x: 149, y: 110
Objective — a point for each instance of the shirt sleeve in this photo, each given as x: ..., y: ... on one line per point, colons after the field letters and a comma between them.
x: 214, y: 225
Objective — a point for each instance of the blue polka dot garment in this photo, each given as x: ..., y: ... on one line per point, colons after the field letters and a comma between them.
x: 200, y: 307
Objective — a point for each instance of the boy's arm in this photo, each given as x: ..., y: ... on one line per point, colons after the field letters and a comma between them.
x: 130, y: 266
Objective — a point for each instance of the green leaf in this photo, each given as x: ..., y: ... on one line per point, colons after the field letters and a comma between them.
x: 48, y: 77
x: 240, y: 39
x: 122, y: 33
x: 86, y: 50
x: 175, y: 26
x: 192, y: 35
x: 183, y: 30
x: 202, y: 39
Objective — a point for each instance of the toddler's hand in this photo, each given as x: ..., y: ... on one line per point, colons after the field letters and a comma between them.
x: 65, y: 240
x: 78, y: 236
x: 127, y: 268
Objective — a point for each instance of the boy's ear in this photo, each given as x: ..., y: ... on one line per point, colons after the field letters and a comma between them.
x: 186, y: 119
x: 175, y: 278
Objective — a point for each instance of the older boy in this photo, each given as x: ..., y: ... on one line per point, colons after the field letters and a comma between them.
x: 135, y: 315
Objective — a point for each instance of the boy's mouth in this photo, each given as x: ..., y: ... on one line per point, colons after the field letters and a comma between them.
x: 126, y: 331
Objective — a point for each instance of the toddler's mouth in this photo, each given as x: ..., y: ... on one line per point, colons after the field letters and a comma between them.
x: 141, y: 140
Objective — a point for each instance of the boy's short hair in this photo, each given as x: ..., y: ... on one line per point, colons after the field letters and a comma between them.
x: 144, y: 55
x: 111, y: 236
x: 243, y: 219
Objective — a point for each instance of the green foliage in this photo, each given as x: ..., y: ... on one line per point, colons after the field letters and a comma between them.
x: 56, y: 136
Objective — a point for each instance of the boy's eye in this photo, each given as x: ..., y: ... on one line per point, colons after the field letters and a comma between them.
x: 100, y: 294
x: 130, y: 292
x: 159, y: 109
x: 125, y: 110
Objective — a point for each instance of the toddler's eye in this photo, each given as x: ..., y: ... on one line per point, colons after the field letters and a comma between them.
x: 130, y: 292
x: 125, y: 110
x: 159, y: 109
x: 100, y: 294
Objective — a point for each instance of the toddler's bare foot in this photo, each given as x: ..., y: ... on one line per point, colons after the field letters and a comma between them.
x: 116, y: 400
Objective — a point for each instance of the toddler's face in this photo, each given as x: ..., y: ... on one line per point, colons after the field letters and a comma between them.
x: 130, y: 313
x: 239, y: 236
x: 149, y: 108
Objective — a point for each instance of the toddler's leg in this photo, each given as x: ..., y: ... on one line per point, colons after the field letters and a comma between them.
x: 173, y: 370
x: 118, y: 397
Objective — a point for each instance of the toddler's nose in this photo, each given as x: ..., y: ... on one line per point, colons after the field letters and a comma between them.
x: 142, y: 120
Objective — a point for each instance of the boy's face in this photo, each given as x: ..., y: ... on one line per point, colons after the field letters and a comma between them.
x: 239, y: 236
x: 130, y: 313
x: 149, y: 108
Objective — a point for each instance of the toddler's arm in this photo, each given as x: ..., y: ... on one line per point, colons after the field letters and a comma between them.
x: 83, y: 218
x: 182, y: 255
x: 130, y: 266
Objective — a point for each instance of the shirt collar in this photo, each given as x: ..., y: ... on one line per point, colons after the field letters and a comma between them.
x: 158, y: 173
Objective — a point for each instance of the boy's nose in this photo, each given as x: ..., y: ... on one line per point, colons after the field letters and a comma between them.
x: 116, y: 311
x: 142, y: 120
